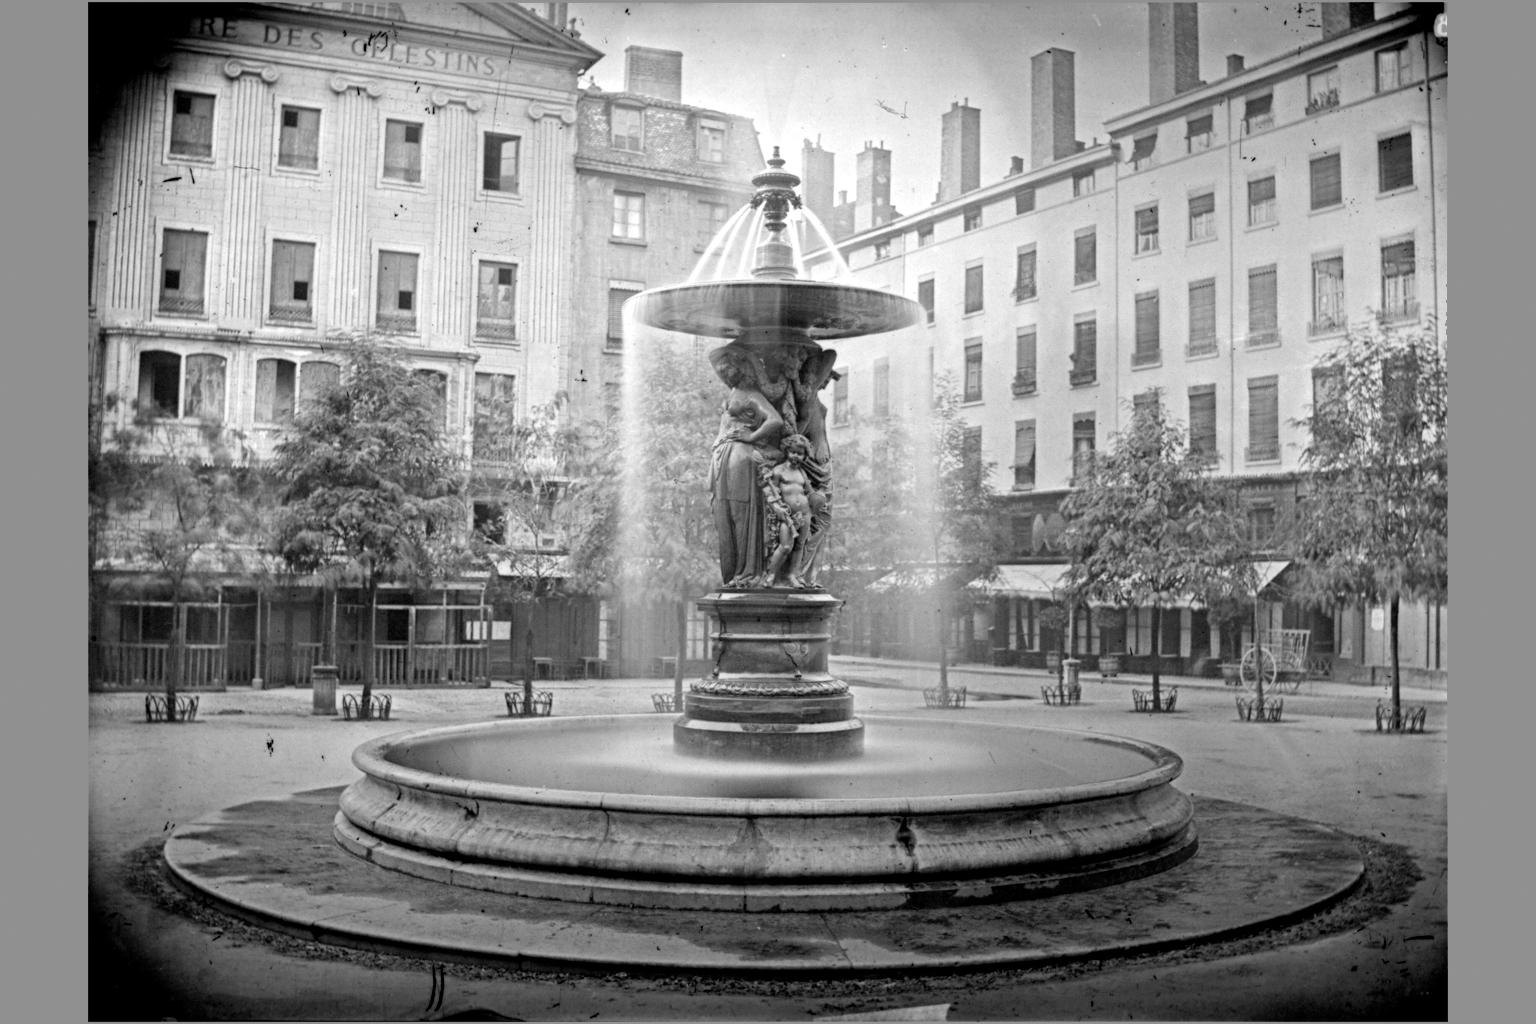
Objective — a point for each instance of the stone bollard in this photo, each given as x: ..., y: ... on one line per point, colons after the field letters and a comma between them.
x: 1071, y: 665
x: 323, y: 678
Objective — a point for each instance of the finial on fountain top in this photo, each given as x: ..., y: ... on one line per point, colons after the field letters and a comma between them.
x: 775, y: 194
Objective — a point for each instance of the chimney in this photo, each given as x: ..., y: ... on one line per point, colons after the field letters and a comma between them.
x: 1173, y: 49
x: 872, y: 200
x: 816, y: 170
x: 1234, y: 64
x: 1053, y: 111
x: 652, y: 72
x: 960, y: 151
x: 555, y: 15
x: 1015, y: 165
x: 1340, y: 18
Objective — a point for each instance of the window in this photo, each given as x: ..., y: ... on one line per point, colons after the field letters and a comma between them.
x: 90, y: 262
x: 1327, y: 392
x: 882, y: 386
x: 973, y: 289
x: 1085, y: 343
x: 617, y: 296
x: 438, y: 384
x: 1082, y: 183
x: 1258, y: 113
x: 1082, y: 446
x: 1024, y: 454
x: 1141, y: 152
x: 491, y: 522
x: 1261, y: 201
x: 1399, y: 298
x: 204, y: 397
x: 712, y: 142
x: 712, y: 217
x: 1145, y: 404
x: 397, y: 291
x: 840, y: 397
x: 1202, y: 316
x: 298, y: 141
x: 1024, y: 274
x: 970, y: 457
x: 1024, y: 361
x: 1198, y: 134
x: 496, y: 302
x: 972, y: 218
x: 1397, y: 67
x: 495, y: 397
x: 883, y: 249
x: 1327, y: 186
x: 1202, y: 421
x: 1322, y: 90
x: 1394, y: 159
x: 1085, y: 261
x: 1148, y: 330
x: 293, y: 271
x: 1023, y: 201
x: 1327, y: 295
x: 402, y: 151
x: 628, y: 215
x: 276, y: 388
x: 1202, y: 217
x: 1146, y: 230
x: 159, y: 384
x: 628, y: 124
x: 501, y: 154
x: 1261, y: 523
x: 182, y: 259
x: 316, y: 378
x: 925, y: 297
x: 1263, y: 419
x: 191, y: 124
x: 973, y: 370
x: 1263, y: 307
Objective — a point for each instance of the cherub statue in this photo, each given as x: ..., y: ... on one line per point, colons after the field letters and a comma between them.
x: 794, y: 506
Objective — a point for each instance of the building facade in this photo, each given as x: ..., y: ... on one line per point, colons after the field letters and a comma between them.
x: 1205, y: 256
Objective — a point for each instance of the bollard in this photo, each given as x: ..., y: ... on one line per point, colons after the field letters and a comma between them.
x: 1071, y: 665
x: 323, y: 678
x: 258, y: 683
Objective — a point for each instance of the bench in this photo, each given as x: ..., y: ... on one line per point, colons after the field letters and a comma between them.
x: 666, y: 667
x: 594, y: 668
x: 543, y: 668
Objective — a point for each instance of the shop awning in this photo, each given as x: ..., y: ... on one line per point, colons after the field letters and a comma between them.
x: 907, y: 578
x: 1039, y: 581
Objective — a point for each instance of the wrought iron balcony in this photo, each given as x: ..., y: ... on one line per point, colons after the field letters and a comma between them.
x: 1147, y: 357
x: 1085, y: 376
x: 1267, y: 452
x: 183, y: 307
x: 500, y: 330
x: 400, y: 323
x: 1399, y: 313
x: 1201, y: 347
x: 1263, y: 339
x: 1323, y: 102
x: 1024, y: 382
x: 1326, y: 324
x: 290, y: 314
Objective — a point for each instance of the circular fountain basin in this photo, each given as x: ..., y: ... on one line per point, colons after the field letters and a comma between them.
x: 603, y: 809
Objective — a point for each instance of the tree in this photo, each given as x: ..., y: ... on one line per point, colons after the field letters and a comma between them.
x: 1373, y: 526
x: 1151, y: 524
x: 371, y: 490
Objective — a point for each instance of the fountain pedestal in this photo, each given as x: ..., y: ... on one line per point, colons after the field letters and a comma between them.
x: 769, y: 694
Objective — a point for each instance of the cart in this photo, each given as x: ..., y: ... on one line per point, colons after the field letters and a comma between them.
x: 1278, y: 660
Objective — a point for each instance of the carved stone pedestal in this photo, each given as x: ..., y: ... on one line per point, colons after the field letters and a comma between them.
x: 770, y: 695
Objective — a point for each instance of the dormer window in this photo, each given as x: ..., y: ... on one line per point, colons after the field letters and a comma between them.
x: 711, y: 141
x: 1141, y: 152
x: 628, y: 125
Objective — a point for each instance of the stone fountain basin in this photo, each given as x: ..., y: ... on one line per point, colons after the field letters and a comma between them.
x: 608, y: 797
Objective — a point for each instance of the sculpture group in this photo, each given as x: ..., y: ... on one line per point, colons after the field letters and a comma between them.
x: 771, y: 472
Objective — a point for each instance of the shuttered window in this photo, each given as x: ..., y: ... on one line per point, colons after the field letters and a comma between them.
x: 1202, y: 217
x: 1024, y: 351
x: 159, y: 384
x: 1258, y: 113
x: 298, y: 143
x: 1023, y: 200
x: 1202, y: 312
x: 293, y: 268
x: 397, y: 291
x: 1327, y: 294
x: 970, y: 454
x: 191, y: 124
x: 616, y: 299
x: 1144, y: 404
x: 1148, y: 328
x: 973, y: 370
x: 1086, y: 258
x: 1141, y: 151
x: 1263, y: 418
x: 183, y: 257
x: 1261, y: 201
x: 925, y: 297
x: 1263, y: 306
x: 1024, y: 275
x: 1146, y: 230
x: 1395, y: 158
x: 973, y: 289
x: 496, y: 301
x: 402, y: 151
x: 1398, y: 292
x: 1024, y: 453
x: 1202, y: 420
x: 1327, y: 188
x: 316, y: 378
x: 882, y: 386
x: 205, y: 388
x: 1083, y: 429
x: 276, y: 387
x: 1085, y: 344
x: 1198, y: 132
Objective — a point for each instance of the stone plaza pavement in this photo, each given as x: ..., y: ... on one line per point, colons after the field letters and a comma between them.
x: 1324, y: 762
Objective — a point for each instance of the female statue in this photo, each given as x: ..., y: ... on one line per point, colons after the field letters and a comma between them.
x: 750, y: 428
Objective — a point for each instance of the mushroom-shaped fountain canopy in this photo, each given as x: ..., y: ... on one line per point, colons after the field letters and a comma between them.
x: 815, y: 310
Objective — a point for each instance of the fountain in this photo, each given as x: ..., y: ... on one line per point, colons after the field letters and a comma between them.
x: 767, y: 793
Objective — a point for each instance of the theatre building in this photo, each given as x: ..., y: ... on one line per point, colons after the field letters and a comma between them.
x: 273, y: 179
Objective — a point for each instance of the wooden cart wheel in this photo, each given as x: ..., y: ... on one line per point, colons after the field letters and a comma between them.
x: 1258, y: 664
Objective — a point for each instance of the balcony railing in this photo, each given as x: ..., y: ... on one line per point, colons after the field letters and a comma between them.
x: 402, y: 323
x: 1024, y: 382
x: 1146, y: 357
x: 290, y: 314
x: 1201, y: 347
x: 1263, y: 339
x: 1078, y: 377
x: 1023, y: 293
x: 183, y: 307
x: 1399, y: 313
x: 1327, y: 323
x: 1323, y: 101
x: 500, y: 330
x: 1266, y: 452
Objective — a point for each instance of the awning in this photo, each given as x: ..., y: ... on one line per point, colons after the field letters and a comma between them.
x: 908, y: 578
x: 1022, y: 581
x: 1268, y: 571
x: 540, y: 566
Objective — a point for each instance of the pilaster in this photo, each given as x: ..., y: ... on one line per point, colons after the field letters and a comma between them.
x: 453, y: 278
x: 351, y: 277
x: 546, y: 355
x: 130, y: 222
x: 244, y: 280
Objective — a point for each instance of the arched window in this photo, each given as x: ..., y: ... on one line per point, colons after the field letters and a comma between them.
x: 276, y: 381
x: 317, y: 377
x: 205, y: 388
x: 159, y: 384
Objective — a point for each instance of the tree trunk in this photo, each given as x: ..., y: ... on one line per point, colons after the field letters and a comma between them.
x: 1397, y: 692
x: 682, y: 652
x: 943, y: 651
x: 1157, y: 650
x: 528, y: 667
x: 173, y: 658
x: 369, y: 648
x: 1258, y: 657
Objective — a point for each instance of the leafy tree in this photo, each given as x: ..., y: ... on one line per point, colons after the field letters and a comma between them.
x: 1373, y: 526
x: 371, y: 489
x: 1150, y: 523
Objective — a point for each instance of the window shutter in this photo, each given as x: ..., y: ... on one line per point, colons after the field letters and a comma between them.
x: 205, y: 387
x: 1146, y: 402
x: 1202, y: 310
x: 1261, y: 191
x: 1086, y: 345
x: 1024, y: 453
x: 1023, y: 200
x: 1146, y: 221
x: 1264, y: 416
x: 1257, y: 106
x: 973, y: 289
x: 1202, y: 418
x: 1397, y: 260
x: 1147, y: 336
x: 616, y: 299
x: 1202, y: 205
x: 925, y: 296
x: 1024, y: 283
x: 1263, y: 311
x: 1024, y: 350
x: 1198, y: 126
x: 1395, y: 156
x: 266, y: 390
x: 1327, y: 188
x: 1086, y: 258
x: 1142, y: 148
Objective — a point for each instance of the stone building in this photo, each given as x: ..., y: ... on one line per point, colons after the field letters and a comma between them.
x: 1207, y: 252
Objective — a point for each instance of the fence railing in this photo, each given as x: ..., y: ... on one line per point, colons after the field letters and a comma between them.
x: 416, y: 665
x: 144, y: 665
x: 281, y: 664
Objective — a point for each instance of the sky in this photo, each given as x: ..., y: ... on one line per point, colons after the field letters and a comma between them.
x: 808, y: 71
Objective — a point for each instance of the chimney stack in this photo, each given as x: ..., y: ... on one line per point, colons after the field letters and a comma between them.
x: 1173, y: 49
x: 652, y: 72
x: 555, y: 14
x: 1340, y: 18
x: 816, y: 170
x: 1053, y: 110
x: 872, y: 200
x: 960, y: 151
x: 1234, y: 64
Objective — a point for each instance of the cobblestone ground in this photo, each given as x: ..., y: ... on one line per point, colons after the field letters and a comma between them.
x: 154, y: 957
